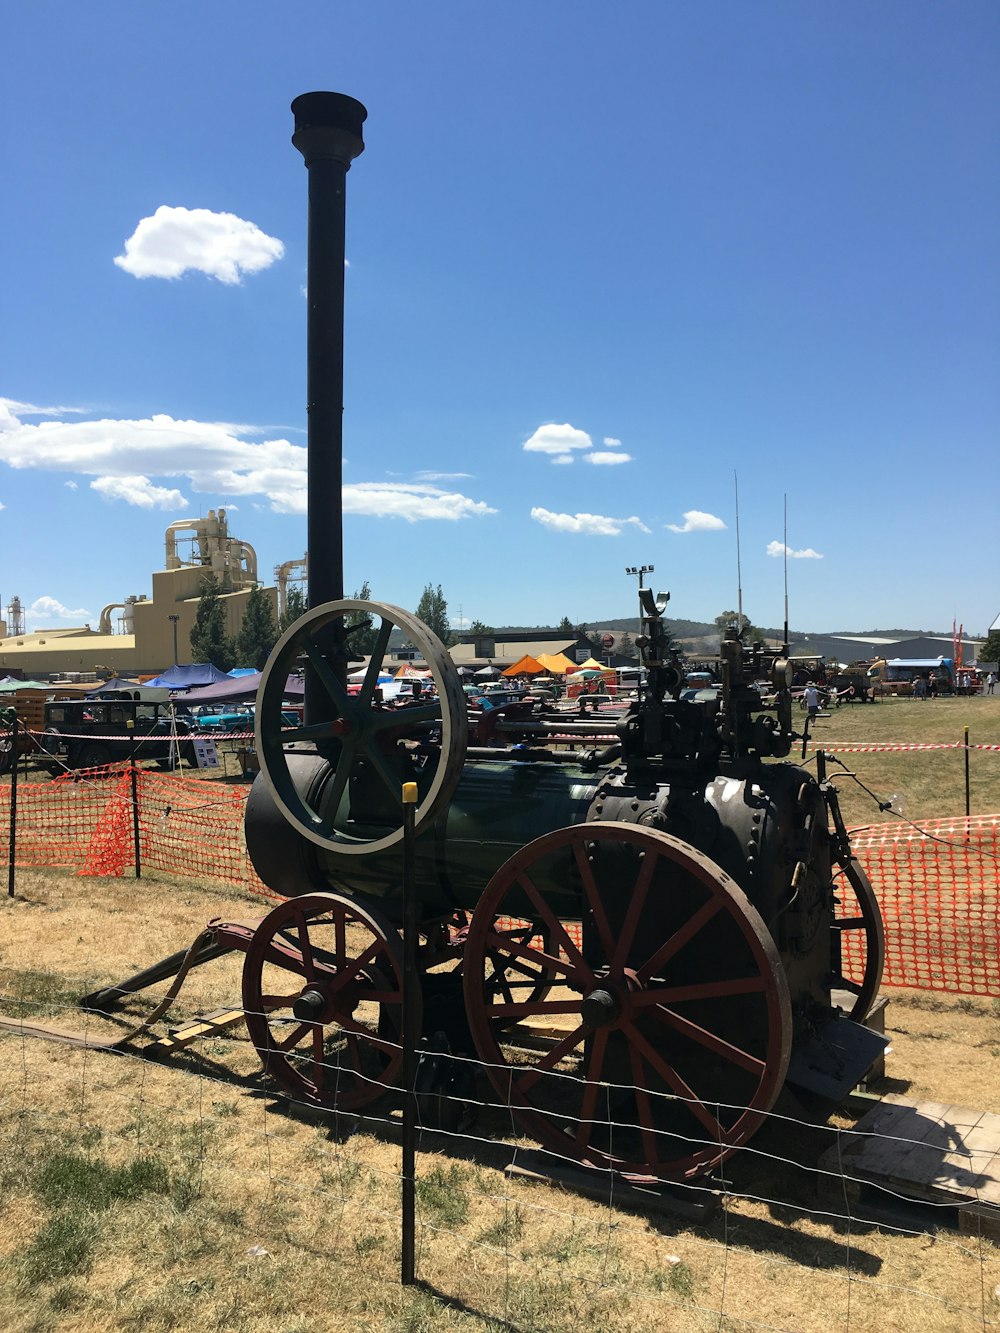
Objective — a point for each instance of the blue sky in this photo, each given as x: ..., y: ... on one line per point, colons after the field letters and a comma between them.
x: 601, y: 258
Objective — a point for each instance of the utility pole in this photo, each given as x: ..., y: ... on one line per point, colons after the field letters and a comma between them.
x: 173, y: 621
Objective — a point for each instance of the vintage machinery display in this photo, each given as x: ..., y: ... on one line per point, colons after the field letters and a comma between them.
x: 639, y: 930
x: 642, y: 930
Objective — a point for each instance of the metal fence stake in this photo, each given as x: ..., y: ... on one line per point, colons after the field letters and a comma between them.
x: 410, y: 1038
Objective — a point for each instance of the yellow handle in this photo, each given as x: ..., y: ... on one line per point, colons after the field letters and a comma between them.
x: 409, y: 793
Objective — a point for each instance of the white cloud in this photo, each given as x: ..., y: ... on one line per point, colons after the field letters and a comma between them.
x: 594, y: 525
x: 384, y: 499
x: 70, y: 485
x: 557, y: 441
x: 778, y: 549
x: 176, y: 240
x: 216, y: 460
x: 2, y: 505
x: 138, y: 491
x: 611, y: 442
x: 697, y: 521
x: 10, y: 407
x: 443, y: 476
x: 608, y: 459
x: 49, y: 608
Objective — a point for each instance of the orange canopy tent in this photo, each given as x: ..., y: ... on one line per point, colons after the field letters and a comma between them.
x: 590, y: 665
x: 527, y: 666
x: 558, y: 664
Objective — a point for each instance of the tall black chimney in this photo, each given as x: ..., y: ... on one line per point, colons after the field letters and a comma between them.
x: 328, y: 134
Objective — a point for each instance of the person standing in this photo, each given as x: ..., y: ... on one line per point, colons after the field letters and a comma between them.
x: 991, y: 681
x: 812, y: 700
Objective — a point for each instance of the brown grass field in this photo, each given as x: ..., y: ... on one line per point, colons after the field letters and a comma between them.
x: 182, y: 1194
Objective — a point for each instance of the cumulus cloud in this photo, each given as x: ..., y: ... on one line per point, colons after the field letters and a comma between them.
x: 779, y: 549
x: 215, y: 458
x: 49, y: 608
x: 70, y: 485
x: 176, y: 240
x: 611, y: 442
x: 607, y: 459
x: 557, y: 441
x: 594, y: 525
x: 138, y: 491
x: 697, y: 521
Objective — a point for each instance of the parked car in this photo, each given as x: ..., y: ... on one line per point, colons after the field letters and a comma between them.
x: 89, y: 733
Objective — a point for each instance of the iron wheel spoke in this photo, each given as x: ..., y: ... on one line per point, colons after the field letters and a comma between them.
x: 734, y: 1054
x: 591, y: 1088
x: 586, y: 869
x: 560, y: 936
x: 640, y: 892
x: 671, y: 1077
x: 328, y: 678
x: 367, y: 692
x: 706, y: 990
x: 679, y: 938
x: 551, y: 1058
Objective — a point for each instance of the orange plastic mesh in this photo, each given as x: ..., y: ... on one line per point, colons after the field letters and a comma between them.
x: 937, y: 886
x: 939, y: 890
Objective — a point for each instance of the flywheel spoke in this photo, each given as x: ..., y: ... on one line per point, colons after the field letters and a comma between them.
x: 710, y: 1040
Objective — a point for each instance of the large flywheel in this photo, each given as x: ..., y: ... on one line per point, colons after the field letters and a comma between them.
x: 661, y: 1036
x: 371, y: 746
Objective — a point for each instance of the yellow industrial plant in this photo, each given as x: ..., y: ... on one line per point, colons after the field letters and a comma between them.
x: 150, y: 626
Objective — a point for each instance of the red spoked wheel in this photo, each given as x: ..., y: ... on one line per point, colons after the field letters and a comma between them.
x: 858, y: 943
x: 663, y: 1034
x: 323, y: 995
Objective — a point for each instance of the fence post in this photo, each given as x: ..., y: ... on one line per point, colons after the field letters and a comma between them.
x: 135, y: 816
x: 410, y: 1037
x: 968, y: 809
x: 13, y: 805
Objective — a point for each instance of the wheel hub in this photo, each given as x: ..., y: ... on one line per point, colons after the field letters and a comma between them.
x: 609, y: 1002
x: 314, y: 1005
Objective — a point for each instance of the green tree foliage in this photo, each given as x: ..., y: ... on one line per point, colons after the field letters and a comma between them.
x: 626, y: 648
x: 566, y: 626
x: 478, y: 628
x: 209, y: 640
x: 727, y: 618
x: 990, y: 650
x: 432, y: 609
x: 359, y: 623
x: 295, y: 606
x: 258, y: 632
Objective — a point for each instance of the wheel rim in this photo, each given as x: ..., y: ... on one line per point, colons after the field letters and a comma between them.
x: 323, y: 994
x: 674, y: 1005
x: 858, y: 943
x: 372, y: 750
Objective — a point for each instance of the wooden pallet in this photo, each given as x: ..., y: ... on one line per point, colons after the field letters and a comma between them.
x: 927, y: 1152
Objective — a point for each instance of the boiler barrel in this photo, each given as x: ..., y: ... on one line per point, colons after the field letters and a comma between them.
x: 498, y: 807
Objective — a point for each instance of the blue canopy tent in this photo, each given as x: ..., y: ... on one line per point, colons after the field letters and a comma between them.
x: 190, y: 677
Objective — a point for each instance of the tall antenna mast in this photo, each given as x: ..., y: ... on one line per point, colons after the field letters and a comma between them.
x: 784, y: 542
x: 739, y: 571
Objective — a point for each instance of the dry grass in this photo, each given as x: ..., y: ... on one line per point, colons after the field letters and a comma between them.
x: 929, y: 783
x: 183, y: 1195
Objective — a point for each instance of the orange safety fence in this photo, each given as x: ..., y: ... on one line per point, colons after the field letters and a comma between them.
x: 938, y: 885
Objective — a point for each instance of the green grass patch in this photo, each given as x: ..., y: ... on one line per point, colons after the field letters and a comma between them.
x: 443, y: 1196
x: 70, y: 1179
x: 62, y: 1248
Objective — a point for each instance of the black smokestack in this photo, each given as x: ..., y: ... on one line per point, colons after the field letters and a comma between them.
x: 328, y: 134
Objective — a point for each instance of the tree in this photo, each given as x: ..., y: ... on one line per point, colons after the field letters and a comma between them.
x: 989, y: 650
x: 479, y: 629
x: 209, y: 640
x: 566, y: 626
x: 626, y: 648
x: 728, y: 618
x: 432, y: 609
x: 295, y: 606
x: 360, y: 627
x: 257, y: 633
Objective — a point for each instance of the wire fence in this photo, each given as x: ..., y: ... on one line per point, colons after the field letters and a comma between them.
x: 785, y: 1235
